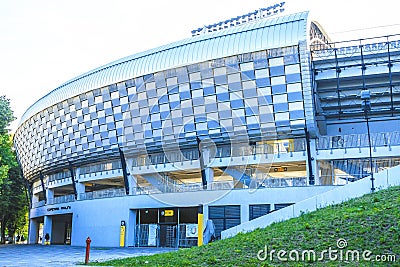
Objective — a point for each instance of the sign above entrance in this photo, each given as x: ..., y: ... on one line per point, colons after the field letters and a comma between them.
x: 167, y: 213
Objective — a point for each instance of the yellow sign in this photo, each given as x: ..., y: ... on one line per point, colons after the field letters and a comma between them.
x: 168, y: 213
x: 122, y: 234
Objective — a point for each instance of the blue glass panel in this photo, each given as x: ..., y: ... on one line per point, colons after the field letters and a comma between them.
x: 104, y: 135
x: 156, y: 124
x: 237, y: 103
x: 235, y: 86
x: 279, y: 107
x: 211, y: 107
x: 265, y: 100
x: 251, y: 111
x: 225, y: 114
x: 164, y: 114
x: 116, y: 102
x: 112, y: 87
x: 174, y: 104
x: 202, y: 132
x: 213, y: 124
x: 133, y: 98
x: 173, y: 89
x: 209, y: 90
x: 100, y: 106
x: 221, y: 97
x: 113, y: 140
x: 130, y: 83
x: 151, y: 93
x: 291, y: 59
x: 145, y: 118
x: 198, y: 101
x: 189, y: 127
x: 177, y: 121
x: 248, y: 93
x: 199, y: 118
x: 237, y: 121
x: 120, y: 131
x: 96, y: 129
x: 296, y: 114
x: 222, y: 79
x: 148, y: 133
x: 88, y: 124
x: 108, y: 111
x: 293, y: 78
x: 185, y: 95
x: 85, y: 146
x: 187, y: 111
x: 155, y: 109
x: 124, y: 107
x: 195, y: 85
x: 266, y: 118
x: 295, y: 96
x: 260, y: 63
x: 157, y: 138
x: 135, y: 112
x: 282, y: 123
x: 279, y: 89
x: 248, y: 75
x: 98, y: 143
x: 118, y: 116
x: 110, y: 126
x: 263, y: 82
x: 85, y: 110
x: 277, y: 71
x: 162, y: 100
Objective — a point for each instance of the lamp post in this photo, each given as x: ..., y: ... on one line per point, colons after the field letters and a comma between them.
x: 366, y: 106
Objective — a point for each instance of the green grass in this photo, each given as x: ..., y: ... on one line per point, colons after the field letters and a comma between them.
x: 369, y: 223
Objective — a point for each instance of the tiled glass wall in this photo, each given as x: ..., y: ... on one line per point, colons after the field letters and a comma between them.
x: 253, y: 95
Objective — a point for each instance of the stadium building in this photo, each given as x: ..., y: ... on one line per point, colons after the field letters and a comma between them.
x: 246, y: 117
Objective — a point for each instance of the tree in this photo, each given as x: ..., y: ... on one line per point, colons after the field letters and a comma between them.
x: 13, y: 203
x: 6, y: 114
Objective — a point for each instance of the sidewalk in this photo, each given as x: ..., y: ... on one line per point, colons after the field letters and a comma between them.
x: 59, y: 255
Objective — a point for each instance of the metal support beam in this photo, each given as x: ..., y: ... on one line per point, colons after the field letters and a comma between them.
x: 71, y: 171
x: 311, y: 178
x: 43, y: 187
x: 124, y: 171
x: 202, y: 167
x: 390, y: 78
x: 338, y: 71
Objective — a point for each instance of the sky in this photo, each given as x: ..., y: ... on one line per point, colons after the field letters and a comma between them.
x: 44, y: 43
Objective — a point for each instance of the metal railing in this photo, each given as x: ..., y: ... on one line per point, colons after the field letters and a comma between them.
x: 108, y: 193
x: 61, y: 199
x: 358, y: 140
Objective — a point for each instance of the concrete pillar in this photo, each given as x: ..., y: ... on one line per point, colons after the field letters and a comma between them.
x: 50, y: 195
x: 33, y: 231
x: 132, y: 184
x: 209, y: 172
x: 244, y: 213
x: 131, y: 229
x: 47, y: 227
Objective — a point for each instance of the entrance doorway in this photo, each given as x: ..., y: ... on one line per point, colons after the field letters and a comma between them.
x: 61, y: 229
x: 166, y: 227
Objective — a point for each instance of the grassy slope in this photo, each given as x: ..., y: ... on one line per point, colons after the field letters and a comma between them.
x: 371, y: 222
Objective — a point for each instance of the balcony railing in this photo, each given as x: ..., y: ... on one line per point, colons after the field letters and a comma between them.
x: 61, y: 199
x: 359, y: 140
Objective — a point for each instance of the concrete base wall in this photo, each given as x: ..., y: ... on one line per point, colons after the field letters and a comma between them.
x: 383, y: 180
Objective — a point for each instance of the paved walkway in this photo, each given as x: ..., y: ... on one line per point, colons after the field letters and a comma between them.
x: 57, y: 255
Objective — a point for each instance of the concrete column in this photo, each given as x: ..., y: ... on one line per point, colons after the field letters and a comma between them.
x: 49, y: 195
x: 80, y: 187
x: 244, y: 213
x: 132, y: 184
x: 47, y: 227
x: 208, y: 171
x: 131, y: 229
x: 33, y: 231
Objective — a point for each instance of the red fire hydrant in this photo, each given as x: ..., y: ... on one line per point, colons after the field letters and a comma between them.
x: 88, y: 240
